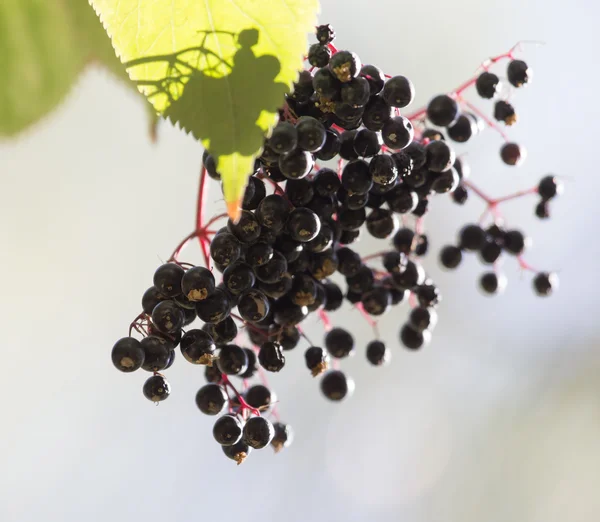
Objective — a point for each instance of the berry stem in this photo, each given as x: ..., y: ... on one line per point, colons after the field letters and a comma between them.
x: 137, y: 326
x: 243, y: 404
x: 524, y: 265
x: 419, y: 225
x: 469, y: 83
x: 201, y: 198
x: 304, y: 335
x: 182, y: 244
x: 248, y: 325
x: 533, y: 190
x: 479, y: 192
x: 325, y: 318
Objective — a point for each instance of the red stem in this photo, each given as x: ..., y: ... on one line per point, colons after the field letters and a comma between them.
x: 243, y: 404
x: 182, y: 244
x: 524, y: 265
x: 325, y: 318
x: 470, y: 82
x: 533, y: 190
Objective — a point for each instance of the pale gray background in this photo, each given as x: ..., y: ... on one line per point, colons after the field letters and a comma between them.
x: 498, y: 420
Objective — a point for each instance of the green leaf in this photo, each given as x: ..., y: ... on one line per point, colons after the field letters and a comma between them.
x: 217, y: 68
x: 44, y: 47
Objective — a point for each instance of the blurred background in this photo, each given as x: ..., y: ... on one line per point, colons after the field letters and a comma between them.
x: 498, y: 419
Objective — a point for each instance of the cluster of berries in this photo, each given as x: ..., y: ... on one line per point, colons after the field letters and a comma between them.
x: 298, y: 226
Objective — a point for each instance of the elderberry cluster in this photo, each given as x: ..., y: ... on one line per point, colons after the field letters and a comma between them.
x: 298, y: 224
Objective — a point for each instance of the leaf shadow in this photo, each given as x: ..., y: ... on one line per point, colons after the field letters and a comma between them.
x: 219, y: 100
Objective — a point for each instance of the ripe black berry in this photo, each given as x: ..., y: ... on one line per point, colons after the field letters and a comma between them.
x: 167, y: 279
x: 304, y: 290
x: 317, y: 360
x: 505, y: 112
x: 333, y: 296
x: 258, y: 432
x: 284, y: 138
x: 401, y: 200
x: 356, y: 92
x: 428, y: 295
x: 331, y: 147
x: 376, y: 301
x: 232, y: 359
x: 440, y: 156
x: 472, y: 238
x: 296, y: 164
x: 381, y: 223
x: 311, y: 136
x: 487, y: 85
x: 259, y: 253
x: 223, y: 332
x: 238, y: 452
x: 366, y: 143
x: 253, y: 305
x: 375, y: 76
x: 151, y: 298
x: 377, y: 112
x: 319, y: 55
x: 397, y: 132
x: 227, y: 430
x: 490, y: 252
x: 413, y: 339
x: 167, y: 316
x: 270, y: 357
x: 127, y: 354
x: 336, y: 386
x: 398, y: 91
x: 513, y: 154
x: 247, y: 229
x: 545, y: 283
x: 156, y: 388
x: 344, y: 65
x: 549, y: 187
x: 422, y: 318
x: 442, y: 110
x: 460, y: 195
x: 515, y: 242
x: 215, y: 308
x: 518, y: 73
x: 403, y: 240
x: 492, y: 283
x: 339, y: 342
x: 211, y: 399
x: 272, y: 212
x: 238, y: 277
x: 260, y: 397
x: 409, y: 276
x: 303, y: 224
x: 225, y: 249
x: 198, y: 347
x: 542, y: 210
x: 325, y: 34
x: 361, y: 281
x: 378, y: 354
x: 252, y: 363
x: 273, y: 270
x: 450, y: 256
x: 283, y: 437
x: 463, y: 129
